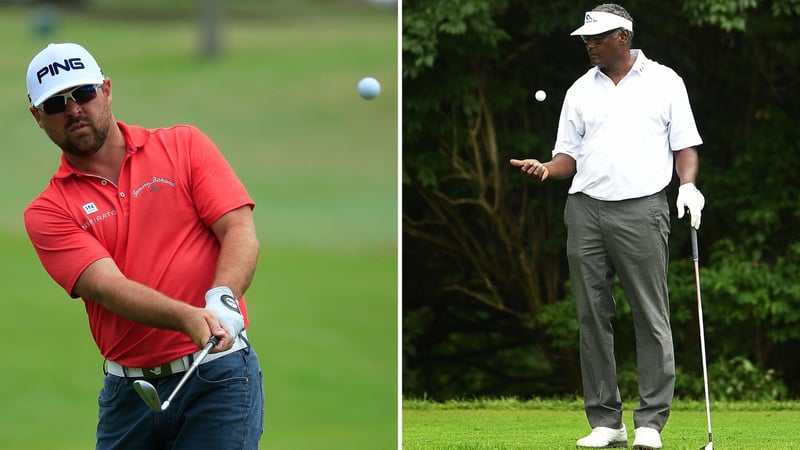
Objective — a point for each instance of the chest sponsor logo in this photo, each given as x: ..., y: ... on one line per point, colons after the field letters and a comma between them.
x: 90, y: 208
x: 152, y: 185
x: 97, y: 218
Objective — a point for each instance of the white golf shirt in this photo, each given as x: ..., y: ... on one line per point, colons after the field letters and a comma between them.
x: 622, y: 136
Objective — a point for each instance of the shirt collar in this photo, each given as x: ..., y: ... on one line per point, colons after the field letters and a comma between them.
x: 641, y: 60
x: 135, y: 138
x: 638, y: 66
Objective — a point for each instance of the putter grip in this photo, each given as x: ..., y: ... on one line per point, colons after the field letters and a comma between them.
x: 694, y: 243
x: 213, y: 341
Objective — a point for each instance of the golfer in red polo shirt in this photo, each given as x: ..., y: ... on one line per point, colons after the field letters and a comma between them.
x: 152, y: 229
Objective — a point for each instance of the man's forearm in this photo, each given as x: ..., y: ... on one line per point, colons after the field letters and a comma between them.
x: 687, y: 164
x: 238, y: 255
x: 102, y: 283
x: 561, y: 166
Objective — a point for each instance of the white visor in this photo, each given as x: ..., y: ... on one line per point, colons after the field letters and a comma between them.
x: 597, y: 22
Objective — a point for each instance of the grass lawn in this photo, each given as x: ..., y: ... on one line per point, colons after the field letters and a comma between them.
x: 321, y: 164
x: 548, y: 424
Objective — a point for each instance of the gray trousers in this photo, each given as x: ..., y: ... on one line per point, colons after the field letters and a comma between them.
x: 625, y: 239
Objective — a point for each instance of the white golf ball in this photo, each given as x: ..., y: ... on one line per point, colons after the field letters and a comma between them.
x: 540, y: 95
x: 369, y: 88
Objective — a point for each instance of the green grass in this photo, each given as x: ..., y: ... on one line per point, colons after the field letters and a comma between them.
x: 321, y: 164
x: 552, y: 424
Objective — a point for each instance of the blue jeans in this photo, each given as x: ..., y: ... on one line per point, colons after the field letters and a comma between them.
x: 221, y: 407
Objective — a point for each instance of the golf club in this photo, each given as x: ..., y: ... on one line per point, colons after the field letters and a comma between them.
x: 148, y: 392
x: 710, y: 445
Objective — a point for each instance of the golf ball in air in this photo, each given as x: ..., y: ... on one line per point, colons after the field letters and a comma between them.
x: 369, y: 88
x: 540, y: 95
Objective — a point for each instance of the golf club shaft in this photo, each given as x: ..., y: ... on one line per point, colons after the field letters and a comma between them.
x: 211, y: 343
x: 702, y: 330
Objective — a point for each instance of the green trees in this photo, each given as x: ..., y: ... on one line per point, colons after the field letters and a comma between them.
x: 487, y: 307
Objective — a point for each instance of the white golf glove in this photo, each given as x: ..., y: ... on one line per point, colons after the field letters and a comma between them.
x: 221, y: 300
x: 690, y: 197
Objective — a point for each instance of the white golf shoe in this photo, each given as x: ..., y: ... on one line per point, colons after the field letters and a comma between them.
x: 646, y: 439
x: 604, y: 437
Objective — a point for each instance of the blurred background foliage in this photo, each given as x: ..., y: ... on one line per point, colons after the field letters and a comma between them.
x: 487, y: 305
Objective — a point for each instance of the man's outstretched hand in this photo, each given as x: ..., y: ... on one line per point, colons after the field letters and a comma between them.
x: 532, y: 167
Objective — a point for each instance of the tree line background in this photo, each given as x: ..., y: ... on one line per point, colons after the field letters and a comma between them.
x: 487, y: 304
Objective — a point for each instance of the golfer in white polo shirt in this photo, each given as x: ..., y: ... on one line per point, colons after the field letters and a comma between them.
x: 625, y: 126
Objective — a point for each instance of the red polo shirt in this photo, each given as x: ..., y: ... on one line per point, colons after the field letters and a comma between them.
x: 173, y: 185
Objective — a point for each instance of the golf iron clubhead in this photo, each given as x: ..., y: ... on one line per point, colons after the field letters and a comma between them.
x: 148, y: 392
x: 709, y: 446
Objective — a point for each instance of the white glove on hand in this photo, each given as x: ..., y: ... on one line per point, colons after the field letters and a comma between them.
x: 221, y: 300
x: 690, y: 197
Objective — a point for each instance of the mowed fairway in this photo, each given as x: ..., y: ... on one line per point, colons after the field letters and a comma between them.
x: 321, y: 164
x: 548, y: 424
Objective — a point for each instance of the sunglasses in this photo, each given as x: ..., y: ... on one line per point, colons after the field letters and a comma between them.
x: 599, y: 38
x: 80, y: 95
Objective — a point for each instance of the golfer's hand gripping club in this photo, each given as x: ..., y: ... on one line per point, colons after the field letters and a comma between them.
x: 226, y: 307
x: 690, y: 197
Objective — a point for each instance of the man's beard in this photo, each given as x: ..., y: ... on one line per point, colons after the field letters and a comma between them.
x: 80, y: 147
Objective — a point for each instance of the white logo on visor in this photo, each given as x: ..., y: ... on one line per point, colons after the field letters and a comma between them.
x: 90, y: 208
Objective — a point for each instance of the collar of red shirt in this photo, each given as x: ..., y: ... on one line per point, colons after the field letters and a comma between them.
x: 135, y: 138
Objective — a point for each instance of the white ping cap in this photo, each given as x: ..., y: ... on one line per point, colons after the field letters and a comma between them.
x: 597, y: 22
x: 58, y: 67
